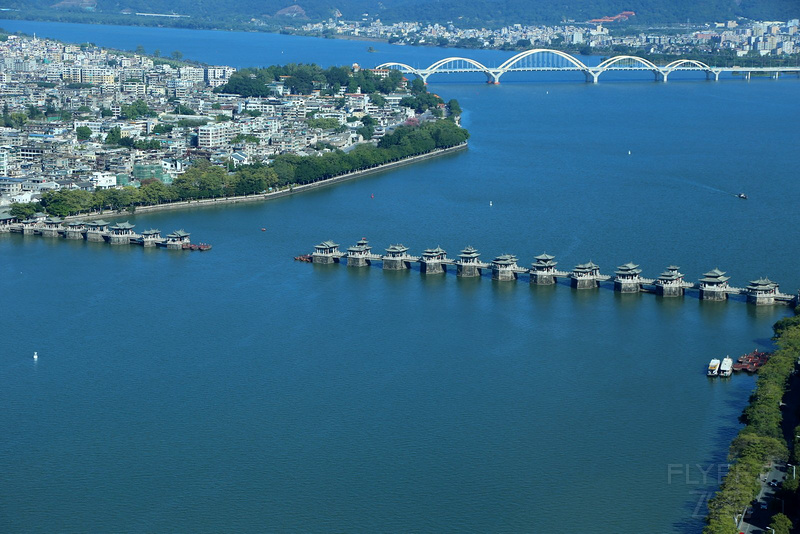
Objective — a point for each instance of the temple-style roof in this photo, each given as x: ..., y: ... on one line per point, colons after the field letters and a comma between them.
x: 123, y: 226
x: 628, y: 269
x: 75, y: 224
x: 673, y: 268
x: 434, y: 251
x: 98, y: 222
x: 151, y: 231
x: 361, y: 246
x: 178, y: 234
x: 505, y: 259
x: 397, y: 249
x: 327, y: 244
x: 544, y: 261
x: 586, y: 267
x: 670, y: 275
x: 469, y: 252
x: 715, y: 276
x: 53, y: 220
x: 762, y: 284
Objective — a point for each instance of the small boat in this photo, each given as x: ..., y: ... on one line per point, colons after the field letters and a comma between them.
x: 202, y: 247
x: 304, y: 257
x: 713, y: 367
x: 263, y: 229
x: 35, y: 356
x: 742, y: 196
x: 726, y: 368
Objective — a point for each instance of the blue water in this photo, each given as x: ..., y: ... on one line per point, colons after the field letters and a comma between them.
x: 237, y: 390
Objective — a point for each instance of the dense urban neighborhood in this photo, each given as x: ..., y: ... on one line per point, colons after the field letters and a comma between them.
x: 736, y: 38
x: 83, y: 118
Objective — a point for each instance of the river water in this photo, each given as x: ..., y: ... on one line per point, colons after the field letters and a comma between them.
x: 238, y: 390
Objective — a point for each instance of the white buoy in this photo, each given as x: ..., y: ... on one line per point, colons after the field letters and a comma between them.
x: 35, y: 356
x: 547, y: 92
x: 490, y: 202
x: 629, y: 152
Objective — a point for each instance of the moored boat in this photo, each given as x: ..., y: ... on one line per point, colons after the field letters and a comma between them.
x: 726, y: 367
x: 713, y: 367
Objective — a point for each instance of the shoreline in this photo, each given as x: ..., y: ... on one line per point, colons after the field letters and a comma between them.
x: 292, y: 190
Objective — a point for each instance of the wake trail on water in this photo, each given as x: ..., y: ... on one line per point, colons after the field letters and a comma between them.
x: 705, y: 186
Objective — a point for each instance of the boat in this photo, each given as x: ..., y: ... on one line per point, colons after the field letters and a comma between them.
x: 202, y: 247
x: 304, y: 257
x: 35, y: 356
x: 713, y: 367
x: 742, y: 196
x: 726, y: 368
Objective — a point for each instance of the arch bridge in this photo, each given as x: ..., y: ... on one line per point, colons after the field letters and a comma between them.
x: 547, y: 60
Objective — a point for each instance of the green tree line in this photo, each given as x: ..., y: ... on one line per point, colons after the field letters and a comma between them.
x: 762, y: 438
x: 204, y: 180
x: 303, y: 78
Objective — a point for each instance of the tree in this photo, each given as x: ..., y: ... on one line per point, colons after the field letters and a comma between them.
x: 157, y: 52
x: 114, y: 136
x: 781, y: 524
x: 454, y: 107
x: 24, y: 210
x: 177, y: 55
x: 377, y: 99
x: 83, y: 132
x: 34, y: 113
x: 139, y: 49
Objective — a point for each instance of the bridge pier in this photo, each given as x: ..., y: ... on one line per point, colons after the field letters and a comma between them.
x: 710, y: 73
x: 776, y: 75
x: 591, y: 77
x: 493, y: 78
x: 661, y: 76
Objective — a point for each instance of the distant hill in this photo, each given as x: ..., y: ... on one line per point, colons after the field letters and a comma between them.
x: 462, y: 12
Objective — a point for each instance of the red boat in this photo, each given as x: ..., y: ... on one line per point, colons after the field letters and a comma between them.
x: 752, y: 361
x: 305, y: 257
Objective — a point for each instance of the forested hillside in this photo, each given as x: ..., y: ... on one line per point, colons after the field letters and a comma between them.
x: 464, y: 13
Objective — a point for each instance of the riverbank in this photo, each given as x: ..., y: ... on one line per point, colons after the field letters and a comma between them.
x: 286, y: 191
x: 761, y: 445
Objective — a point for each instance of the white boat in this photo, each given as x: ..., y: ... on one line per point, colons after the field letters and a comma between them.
x: 726, y: 368
x: 713, y: 367
x: 35, y: 356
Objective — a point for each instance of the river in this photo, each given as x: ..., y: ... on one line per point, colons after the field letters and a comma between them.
x: 238, y: 390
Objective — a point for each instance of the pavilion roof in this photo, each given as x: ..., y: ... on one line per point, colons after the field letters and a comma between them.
x: 327, y: 244
x: 123, y: 226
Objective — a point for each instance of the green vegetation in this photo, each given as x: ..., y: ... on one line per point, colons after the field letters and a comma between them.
x: 180, y: 109
x: 83, y: 133
x: 203, y: 180
x: 24, y: 210
x: 227, y: 14
x: 245, y: 138
x: 304, y: 78
x: 137, y: 110
x: 326, y: 124
x: 761, y: 440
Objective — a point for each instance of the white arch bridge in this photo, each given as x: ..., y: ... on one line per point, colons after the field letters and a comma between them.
x: 544, y: 60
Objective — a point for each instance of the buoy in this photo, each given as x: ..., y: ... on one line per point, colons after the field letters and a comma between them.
x: 490, y: 202
x: 35, y: 356
x: 629, y: 152
x: 548, y: 92
x: 372, y: 195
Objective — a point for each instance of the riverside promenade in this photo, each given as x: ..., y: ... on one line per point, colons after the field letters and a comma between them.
x: 283, y: 192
